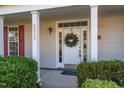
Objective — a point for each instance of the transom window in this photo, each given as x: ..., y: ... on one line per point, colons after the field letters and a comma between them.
x: 72, y: 24
x: 13, y: 42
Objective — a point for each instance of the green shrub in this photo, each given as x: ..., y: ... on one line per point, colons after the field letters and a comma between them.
x: 89, y: 83
x: 104, y: 70
x: 17, y: 72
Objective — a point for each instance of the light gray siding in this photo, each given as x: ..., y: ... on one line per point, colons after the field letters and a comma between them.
x: 48, y: 45
x: 28, y: 40
x: 111, y: 45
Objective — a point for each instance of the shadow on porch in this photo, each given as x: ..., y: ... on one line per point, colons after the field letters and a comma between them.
x: 53, y: 78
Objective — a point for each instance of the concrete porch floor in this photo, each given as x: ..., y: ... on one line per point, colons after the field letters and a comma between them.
x: 54, y: 79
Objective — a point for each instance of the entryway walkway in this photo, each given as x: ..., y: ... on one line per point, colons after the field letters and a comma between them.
x: 54, y: 79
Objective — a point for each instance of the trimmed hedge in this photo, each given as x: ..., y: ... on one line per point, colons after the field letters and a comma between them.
x: 104, y: 70
x: 18, y: 72
x: 90, y: 83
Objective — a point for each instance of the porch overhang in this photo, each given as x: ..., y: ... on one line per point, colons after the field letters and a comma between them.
x: 51, y: 13
x: 10, y: 9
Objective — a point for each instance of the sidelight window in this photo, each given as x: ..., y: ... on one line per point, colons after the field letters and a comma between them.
x: 85, y: 46
x: 60, y: 47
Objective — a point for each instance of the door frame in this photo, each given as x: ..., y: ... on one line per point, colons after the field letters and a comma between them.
x: 61, y: 65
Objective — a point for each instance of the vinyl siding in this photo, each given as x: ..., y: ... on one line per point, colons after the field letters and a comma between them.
x: 28, y: 40
x: 111, y: 45
x: 48, y: 45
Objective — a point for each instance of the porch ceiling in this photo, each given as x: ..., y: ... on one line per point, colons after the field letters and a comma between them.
x: 110, y: 7
x: 76, y: 10
x: 103, y: 9
x: 52, y: 13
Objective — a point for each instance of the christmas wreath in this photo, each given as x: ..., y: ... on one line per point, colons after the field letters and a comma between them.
x: 71, y: 40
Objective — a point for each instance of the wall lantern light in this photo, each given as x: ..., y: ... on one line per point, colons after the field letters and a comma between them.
x: 50, y: 30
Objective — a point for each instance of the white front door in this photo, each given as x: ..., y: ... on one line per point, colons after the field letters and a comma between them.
x: 73, y: 55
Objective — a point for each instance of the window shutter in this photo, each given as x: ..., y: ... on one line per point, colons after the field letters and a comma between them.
x: 21, y: 40
x: 5, y: 41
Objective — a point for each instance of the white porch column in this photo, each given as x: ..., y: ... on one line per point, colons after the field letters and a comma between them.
x: 1, y: 36
x: 94, y: 31
x: 36, y: 39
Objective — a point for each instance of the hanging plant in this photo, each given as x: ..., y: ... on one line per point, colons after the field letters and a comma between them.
x: 71, y: 40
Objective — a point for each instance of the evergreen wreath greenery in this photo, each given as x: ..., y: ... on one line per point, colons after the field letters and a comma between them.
x: 71, y: 40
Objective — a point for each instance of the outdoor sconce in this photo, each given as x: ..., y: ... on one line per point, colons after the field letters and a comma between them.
x: 50, y: 30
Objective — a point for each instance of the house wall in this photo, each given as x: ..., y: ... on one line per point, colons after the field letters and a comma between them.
x: 111, y: 29
x: 109, y: 47
x: 48, y: 42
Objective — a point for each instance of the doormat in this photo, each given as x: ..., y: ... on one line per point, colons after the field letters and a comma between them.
x: 69, y: 73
